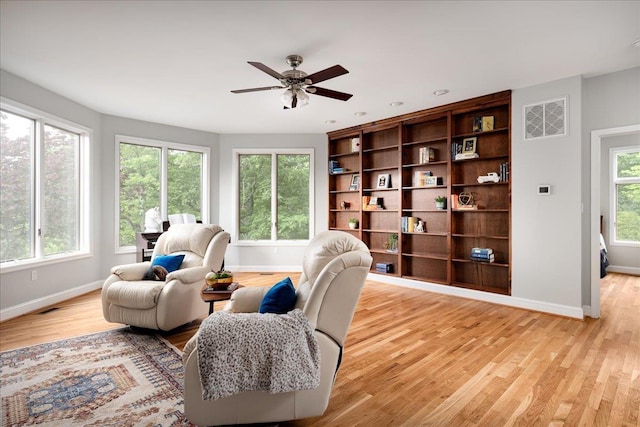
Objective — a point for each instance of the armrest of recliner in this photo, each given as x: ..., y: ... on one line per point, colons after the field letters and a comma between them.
x: 131, y: 271
x: 188, y: 275
x: 246, y: 300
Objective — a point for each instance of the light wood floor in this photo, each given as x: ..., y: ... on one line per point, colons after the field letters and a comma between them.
x: 415, y: 358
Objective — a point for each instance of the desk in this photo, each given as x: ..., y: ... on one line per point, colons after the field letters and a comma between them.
x: 213, y: 297
x: 145, y: 242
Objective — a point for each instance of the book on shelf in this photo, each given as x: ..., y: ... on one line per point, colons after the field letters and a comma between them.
x: 370, y: 203
x: 420, y: 178
x: 230, y: 288
x: 408, y: 224
x: 489, y: 258
x: 504, y: 172
x: 333, y: 165
x: 426, y: 155
x: 454, y: 201
x: 465, y: 156
x: 481, y: 251
x: 456, y: 148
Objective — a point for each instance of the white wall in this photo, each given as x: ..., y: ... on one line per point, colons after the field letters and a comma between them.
x: 63, y: 279
x: 622, y: 258
x: 610, y: 101
x: 270, y: 258
x: 112, y: 126
x: 546, y: 230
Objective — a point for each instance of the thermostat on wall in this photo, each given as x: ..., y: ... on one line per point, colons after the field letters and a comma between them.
x: 544, y: 190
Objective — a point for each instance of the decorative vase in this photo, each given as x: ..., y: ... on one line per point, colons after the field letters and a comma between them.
x: 441, y: 205
x: 353, y: 225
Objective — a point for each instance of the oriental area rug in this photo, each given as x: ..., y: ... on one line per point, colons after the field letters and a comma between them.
x: 114, y: 378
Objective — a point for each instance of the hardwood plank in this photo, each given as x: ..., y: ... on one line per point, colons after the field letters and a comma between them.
x: 417, y: 358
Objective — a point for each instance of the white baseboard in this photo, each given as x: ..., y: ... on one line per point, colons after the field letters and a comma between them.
x: 45, y: 301
x: 634, y: 271
x: 545, y: 307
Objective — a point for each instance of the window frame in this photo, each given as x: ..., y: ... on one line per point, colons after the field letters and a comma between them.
x: 274, y: 152
x: 41, y: 119
x: 614, y: 181
x: 164, y: 147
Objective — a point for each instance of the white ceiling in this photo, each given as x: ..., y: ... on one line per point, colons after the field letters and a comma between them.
x: 175, y: 62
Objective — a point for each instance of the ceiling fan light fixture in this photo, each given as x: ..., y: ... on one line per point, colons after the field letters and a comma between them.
x: 303, y: 98
x: 287, y: 98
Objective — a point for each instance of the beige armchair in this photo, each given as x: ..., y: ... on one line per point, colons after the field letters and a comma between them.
x: 334, y: 270
x: 128, y: 298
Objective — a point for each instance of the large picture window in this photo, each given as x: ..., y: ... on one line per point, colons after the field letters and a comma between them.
x: 275, y: 195
x: 626, y: 196
x: 156, y: 174
x: 44, y: 187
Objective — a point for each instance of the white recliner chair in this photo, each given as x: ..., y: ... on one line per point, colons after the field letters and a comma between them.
x: 164, y: 305
x: 335, y: 267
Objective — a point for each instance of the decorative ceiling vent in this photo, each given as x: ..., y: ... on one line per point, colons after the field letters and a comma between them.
x: 545, y: 119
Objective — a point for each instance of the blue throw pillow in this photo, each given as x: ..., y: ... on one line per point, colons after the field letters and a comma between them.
x: 169, y: 262
x: 280, y: 299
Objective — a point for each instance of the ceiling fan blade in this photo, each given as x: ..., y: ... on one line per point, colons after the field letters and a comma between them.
x: 328, y: 93
x: 256, y: 89
x: 260, y: 66
x: 329, y: 73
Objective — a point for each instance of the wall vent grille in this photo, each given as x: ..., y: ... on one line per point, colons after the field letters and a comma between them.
x: 545, y: 119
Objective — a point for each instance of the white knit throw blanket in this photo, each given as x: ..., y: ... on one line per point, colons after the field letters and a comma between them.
x: 239, y: 352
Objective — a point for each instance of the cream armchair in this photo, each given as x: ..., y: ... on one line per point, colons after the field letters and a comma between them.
x: 128, y: 298
x: 334, y: 270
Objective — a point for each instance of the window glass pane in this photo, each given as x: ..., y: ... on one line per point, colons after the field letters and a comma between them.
x: 628, y: 212
x: 139, y: 188
x: 628, y: 165
x: 17, y: 136
x: 293, y: 197
x: 60, y: 173
x: 255, y: 197
x: 184, y: 183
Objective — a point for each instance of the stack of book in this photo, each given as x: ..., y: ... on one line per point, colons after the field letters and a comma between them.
x: 482, y: 254
x: 334, y: 167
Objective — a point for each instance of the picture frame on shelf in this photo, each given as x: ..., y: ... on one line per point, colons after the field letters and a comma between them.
x: 384, y: 180
x: 487, y: 123
x: 355, y: 182
x: 469, y: 145
x: 477, y: 124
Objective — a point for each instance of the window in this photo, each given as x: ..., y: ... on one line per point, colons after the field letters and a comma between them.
x: 44, y: 188
x: 275, y: 195
x: 172, y: 177
x: 625, y: 171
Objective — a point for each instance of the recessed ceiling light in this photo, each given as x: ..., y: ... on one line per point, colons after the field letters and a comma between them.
x: 396, y: 104
x: 440, y: 92
x: 636, y: 43
x: 360, y: 113
x: 329, y: 121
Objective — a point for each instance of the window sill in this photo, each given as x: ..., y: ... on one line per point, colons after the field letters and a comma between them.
x: 10, y: 267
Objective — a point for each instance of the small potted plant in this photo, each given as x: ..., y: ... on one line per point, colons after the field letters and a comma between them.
x: 353, y: 223
x: 441, y: 202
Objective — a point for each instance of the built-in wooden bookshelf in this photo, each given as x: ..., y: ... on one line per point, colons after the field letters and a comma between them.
x: 404, y: 163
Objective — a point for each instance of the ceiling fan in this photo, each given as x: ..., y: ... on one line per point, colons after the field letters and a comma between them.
x: 298, y: 83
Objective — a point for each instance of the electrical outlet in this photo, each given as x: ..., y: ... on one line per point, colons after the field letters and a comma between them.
x: 34, y: 275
